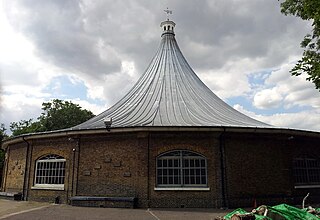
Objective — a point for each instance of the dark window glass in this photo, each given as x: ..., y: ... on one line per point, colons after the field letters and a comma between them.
x: 306, y: 171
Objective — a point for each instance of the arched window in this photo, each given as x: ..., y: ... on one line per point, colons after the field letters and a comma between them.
x: 181, y: 168
x: 50, y: 171
x: 306, y: 170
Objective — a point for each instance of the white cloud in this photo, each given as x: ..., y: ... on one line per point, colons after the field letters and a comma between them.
x: 95, y: 92
x: 19, y: 107
x: 94, y: 108
x: 282, y: 89
x: 306, y: 120
x: 267, y: 98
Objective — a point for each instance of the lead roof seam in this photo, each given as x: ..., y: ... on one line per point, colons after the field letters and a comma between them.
x: 171, y: 79
x: 149, y: 75
x: 145, y: 104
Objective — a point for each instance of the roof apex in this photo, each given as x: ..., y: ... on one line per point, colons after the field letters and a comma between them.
x: 167, y: 27
x: 169, y: 93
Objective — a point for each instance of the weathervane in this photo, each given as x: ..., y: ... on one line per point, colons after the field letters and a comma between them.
x: 168, y: 12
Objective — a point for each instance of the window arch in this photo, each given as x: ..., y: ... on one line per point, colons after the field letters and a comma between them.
x: 306, y: 170
x: 181, y: 168
x: 50, y: 171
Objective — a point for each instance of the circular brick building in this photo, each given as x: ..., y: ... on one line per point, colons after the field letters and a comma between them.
x: 170, y: 142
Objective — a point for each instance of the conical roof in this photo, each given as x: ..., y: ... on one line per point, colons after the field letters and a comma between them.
x: 169, y: 93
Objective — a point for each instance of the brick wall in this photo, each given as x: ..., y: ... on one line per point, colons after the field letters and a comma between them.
x: 114, y: 165
x: 260, y: 167
x: 14, y: 169
x: 254, y: 167
x: 257, y: 166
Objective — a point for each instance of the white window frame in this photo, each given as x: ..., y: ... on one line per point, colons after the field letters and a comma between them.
x: 53, y: 168
x: 174, y: 171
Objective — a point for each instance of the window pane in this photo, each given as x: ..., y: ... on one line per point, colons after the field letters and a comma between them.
x: 165, y: 172
x: 159, y: 163
x: 203, y: 180
x: 197, y: 179
x: 165, y: 181
x: 159, y: 180
x: 186, y: 180
x: 191, y: 163
x: 176, y: 180
x: 170, y: 163
x: 186, y: 163
x: 170, y: 180
x: 165, y: 164
x: 197, y: 163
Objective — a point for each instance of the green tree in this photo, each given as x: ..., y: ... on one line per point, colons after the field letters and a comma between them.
x: 56, y: 115
x: 60, y: 114
x: 3, y: 135
x: 310, y: 61
x: 25, y: 127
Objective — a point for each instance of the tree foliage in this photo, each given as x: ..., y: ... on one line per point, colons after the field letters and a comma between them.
x: 3, y: 135
x: 310, y: 61
x: 24, y: 127
x: 60, y: 114
x: 56, y: 115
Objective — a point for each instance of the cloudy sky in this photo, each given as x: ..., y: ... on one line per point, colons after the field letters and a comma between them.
x: 92, y: 52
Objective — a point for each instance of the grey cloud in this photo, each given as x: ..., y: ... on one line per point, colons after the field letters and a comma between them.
x: 56, y: 29
x: 241, y: 29
x: 67, y: 33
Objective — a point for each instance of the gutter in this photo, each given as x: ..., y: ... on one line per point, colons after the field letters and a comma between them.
x: 25, y: 179
x: 75, y: 150
x: 261, y: 130
x: 4, y: 177
x: 148, y: 170
x: 224, y: 194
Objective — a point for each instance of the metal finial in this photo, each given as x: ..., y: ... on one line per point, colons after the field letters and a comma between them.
x: 168, y: 12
